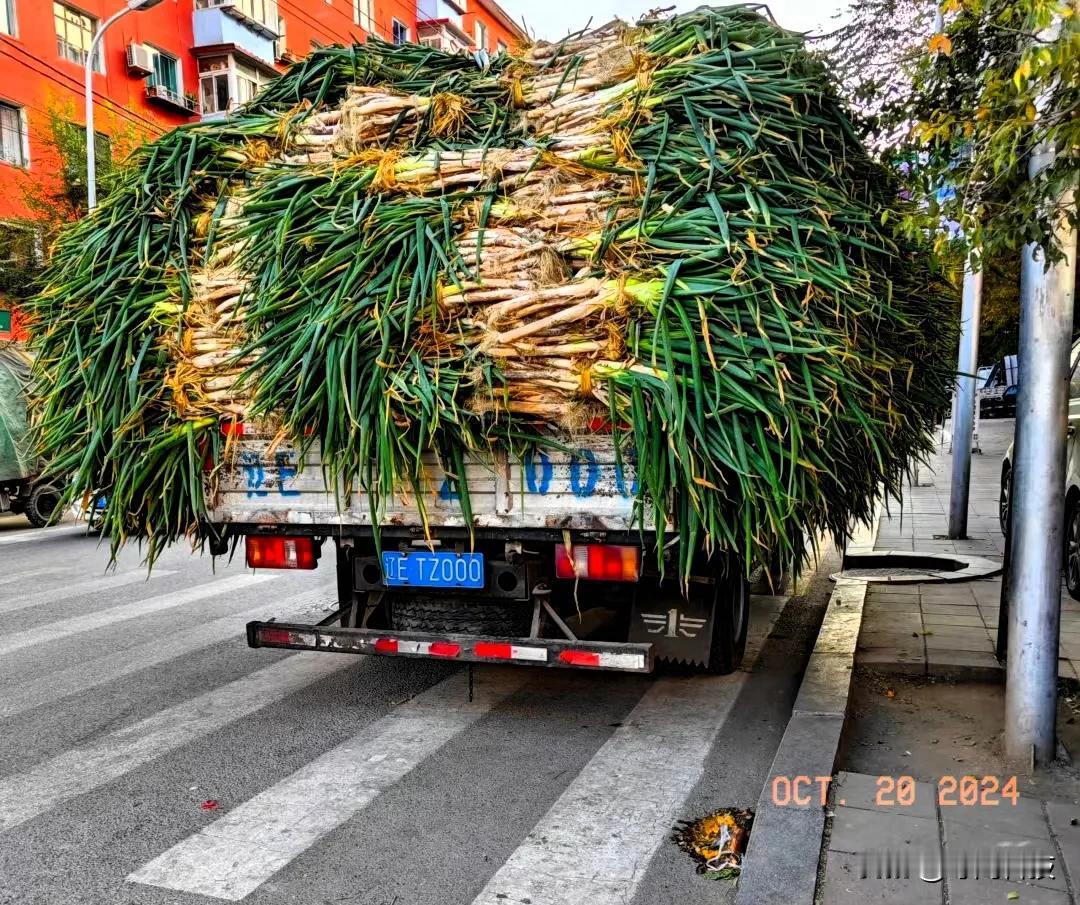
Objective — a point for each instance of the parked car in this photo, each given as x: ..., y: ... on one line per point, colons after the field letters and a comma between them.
x: 997, y: 390
x: 1071, y: 545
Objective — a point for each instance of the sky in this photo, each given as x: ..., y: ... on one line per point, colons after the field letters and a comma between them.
x: 552, y: 19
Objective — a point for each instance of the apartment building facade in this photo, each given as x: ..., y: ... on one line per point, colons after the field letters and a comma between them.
x: 176, y: 62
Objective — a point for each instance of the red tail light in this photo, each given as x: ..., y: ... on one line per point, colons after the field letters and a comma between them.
x: 598, y: 562
x: 282, y: 553
x: 579, y: 658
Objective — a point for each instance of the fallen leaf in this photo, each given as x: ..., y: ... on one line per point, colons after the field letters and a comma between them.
x: 211, y: 804
x: 890, y: 693
x: 941, y: 44
x: 1013, y: 895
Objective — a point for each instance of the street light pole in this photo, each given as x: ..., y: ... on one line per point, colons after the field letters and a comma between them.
x: 1038, y: 499
x: 964, y: 409
x: 88, y: 86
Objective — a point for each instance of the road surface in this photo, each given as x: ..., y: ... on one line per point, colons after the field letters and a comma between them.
x: 148, y: 756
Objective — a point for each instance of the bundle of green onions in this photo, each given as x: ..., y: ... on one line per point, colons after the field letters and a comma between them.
x: 668, y: 229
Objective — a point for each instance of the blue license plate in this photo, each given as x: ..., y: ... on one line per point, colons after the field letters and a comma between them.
x: 424, y: 569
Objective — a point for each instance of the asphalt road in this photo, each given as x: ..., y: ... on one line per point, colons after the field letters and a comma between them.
x: 148, y: 756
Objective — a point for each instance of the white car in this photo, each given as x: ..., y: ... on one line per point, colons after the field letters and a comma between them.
x: 1071, y: 547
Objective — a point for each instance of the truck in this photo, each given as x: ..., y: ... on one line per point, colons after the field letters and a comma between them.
x: 23, y: 489
x: 555, y: 565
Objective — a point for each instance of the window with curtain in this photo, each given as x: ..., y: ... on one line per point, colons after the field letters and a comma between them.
x: 12, y: 135
x: 166, y: 71
x: 74, y: 33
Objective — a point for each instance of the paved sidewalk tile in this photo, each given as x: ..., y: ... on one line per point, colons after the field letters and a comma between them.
x: 860, y: 790
x: 960, y: 618
x: 844, y: 885
x: 855, y: 830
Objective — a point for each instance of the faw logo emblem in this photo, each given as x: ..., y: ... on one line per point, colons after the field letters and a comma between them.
x: 672, y: 624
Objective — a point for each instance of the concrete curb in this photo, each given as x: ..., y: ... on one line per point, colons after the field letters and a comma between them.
x: 781, y: 862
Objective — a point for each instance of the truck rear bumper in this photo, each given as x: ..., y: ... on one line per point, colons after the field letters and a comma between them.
x: 563, y: 654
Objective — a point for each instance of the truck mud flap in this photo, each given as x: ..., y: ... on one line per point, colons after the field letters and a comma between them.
x: 601, y: 655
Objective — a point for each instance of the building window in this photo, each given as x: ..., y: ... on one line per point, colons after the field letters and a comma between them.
x: 481, y: 35
x: 249, y: 82
x: 400, y: 32
x: 214, y: 84
x: 13, y: 144
x: 74, y: 35
x: 166, y: 71
x: 7, y: 17
x: 364, y: 14
x: 279, y: 44
x: 225, y: 84
x: 500, y: 47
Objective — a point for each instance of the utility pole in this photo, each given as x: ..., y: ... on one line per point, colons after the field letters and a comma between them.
x: 967, y: 365
x: 1038, y: 499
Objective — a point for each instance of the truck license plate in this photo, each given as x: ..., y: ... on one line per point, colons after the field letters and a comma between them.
x: 440, y: 569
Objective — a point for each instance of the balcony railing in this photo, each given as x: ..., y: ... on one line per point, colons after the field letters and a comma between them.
x: 259, y: 15
x: 170, y: 98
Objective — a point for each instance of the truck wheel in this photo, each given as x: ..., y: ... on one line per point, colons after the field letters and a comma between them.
x: 41, y: 506
x: 438, y: 616
x: 731, y: 620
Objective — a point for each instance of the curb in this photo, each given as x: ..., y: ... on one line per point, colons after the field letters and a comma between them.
x: 781, y: 861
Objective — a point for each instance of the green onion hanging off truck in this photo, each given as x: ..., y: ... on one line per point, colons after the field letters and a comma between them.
x: 553, y: 349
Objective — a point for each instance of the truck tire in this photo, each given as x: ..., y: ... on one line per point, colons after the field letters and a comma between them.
x: 495, y: 618
x: 731, y: 621
x: 41, y: 506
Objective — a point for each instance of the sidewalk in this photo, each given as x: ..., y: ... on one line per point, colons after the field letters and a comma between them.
x: 949, y: 630
x: 942, y: 851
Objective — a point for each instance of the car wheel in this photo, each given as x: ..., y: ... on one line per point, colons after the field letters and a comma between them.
x: 1005, y: 499
x: 1072, y: 551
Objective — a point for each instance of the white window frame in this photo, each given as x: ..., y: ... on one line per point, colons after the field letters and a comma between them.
x: 99, y: 57
x: 280, y: 46
x: 267, y: 16
x: 9, y: 18
x: 501, y: 47
x: 393, y: 31
x: 158, y: 52
x: 480, y: 34
x: 24, y: 138
x: 364, y: 14
x: 232, y: 73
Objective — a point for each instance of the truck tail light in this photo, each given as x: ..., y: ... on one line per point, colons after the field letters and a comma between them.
x: 598, y: 562
x: 282, y: 553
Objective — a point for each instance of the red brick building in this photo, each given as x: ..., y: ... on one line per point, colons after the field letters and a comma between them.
x: 174, y: 63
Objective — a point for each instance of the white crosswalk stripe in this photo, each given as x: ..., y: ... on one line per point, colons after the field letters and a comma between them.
x: 65, y: 628
x: 21, y: 537
x: 17, y: 576
x: 236, y: 854
x: 81, y: 589
x: 24, y: 796
x: 93, y: 673
x: 595, y: 843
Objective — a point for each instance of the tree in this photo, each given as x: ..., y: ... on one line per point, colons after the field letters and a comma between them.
x: 962, y: 103
x: 59, y: 198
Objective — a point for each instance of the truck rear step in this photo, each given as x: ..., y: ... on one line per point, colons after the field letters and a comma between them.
x: 603, y: 655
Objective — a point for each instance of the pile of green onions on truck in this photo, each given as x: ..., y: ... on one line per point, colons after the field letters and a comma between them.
x: 545, y: 353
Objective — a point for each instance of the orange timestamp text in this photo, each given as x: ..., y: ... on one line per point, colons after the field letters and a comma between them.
x: 901, y: 791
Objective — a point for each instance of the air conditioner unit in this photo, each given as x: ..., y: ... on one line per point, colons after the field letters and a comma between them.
x: 140, y: 60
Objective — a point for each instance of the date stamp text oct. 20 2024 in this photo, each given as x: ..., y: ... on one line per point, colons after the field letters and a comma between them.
x: 901, y: 791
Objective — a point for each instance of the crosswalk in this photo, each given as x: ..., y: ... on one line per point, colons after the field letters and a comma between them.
x: 592, y: 841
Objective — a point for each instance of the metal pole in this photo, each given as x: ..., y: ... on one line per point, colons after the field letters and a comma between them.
x: 88, y: 87
x: 1038, y: 499
x: 964, y: 411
